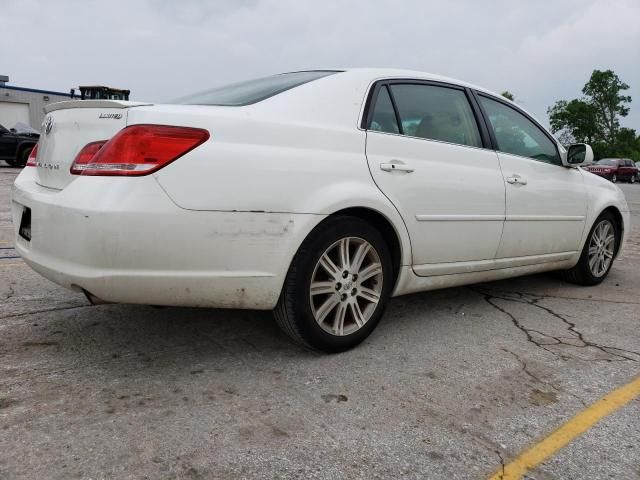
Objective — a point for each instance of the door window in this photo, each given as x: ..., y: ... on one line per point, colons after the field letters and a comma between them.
x: 436, y: 113
x: 518, y: 135
x: 384, y: 117
x: 426, y: 111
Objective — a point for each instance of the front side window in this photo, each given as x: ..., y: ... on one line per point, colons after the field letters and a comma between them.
x: 518, y: 135
x: 252, y: 91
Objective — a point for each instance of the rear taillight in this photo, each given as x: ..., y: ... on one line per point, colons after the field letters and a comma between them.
x: 137, y: 150
x: 31, y: 161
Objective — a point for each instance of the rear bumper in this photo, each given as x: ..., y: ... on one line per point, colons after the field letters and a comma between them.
x: 123, y: 240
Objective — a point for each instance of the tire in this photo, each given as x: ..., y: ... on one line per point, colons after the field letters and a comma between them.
x: 582, y: 273
x: 350, y: 296
x: 632, y: 179
x: 22, y: 157
x: 614, y: 178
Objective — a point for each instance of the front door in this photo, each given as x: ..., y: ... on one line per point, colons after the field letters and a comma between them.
x: 426, y: 154
x: 546, y: 202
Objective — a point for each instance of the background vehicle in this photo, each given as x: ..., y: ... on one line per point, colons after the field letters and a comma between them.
x: 638, y: 173
x: 318, y: 194
x: 614, y: 169
x: 16, y: 144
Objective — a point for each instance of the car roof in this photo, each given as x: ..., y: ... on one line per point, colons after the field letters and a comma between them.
x: 378, y: 73
x: 375, y: 74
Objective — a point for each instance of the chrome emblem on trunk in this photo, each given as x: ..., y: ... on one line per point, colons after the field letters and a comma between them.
x: 115, y: 116
x: 47, y: 124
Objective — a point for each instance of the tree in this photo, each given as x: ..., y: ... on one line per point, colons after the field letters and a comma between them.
x: 508, y: 95
x: 576, y: 120
x: 604, y: 90
x: 595, y: 118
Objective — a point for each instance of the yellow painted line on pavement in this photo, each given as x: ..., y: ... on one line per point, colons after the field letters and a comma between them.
x: 3, y: 264
x: 568, y: 432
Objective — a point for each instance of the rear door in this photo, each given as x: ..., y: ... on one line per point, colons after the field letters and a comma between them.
x: 546, y: 202
x: 426, y: 152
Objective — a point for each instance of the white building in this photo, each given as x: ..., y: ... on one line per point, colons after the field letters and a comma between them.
x: 26, y: 105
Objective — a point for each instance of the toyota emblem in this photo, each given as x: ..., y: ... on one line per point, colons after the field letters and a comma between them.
x: 48, y: 124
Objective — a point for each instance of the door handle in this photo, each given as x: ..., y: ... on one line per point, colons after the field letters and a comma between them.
x: 516, y: 179
x: 395, y: 165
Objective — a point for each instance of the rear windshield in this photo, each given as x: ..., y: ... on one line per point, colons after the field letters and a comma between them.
x: 252, y: 91
x: 607, y: 161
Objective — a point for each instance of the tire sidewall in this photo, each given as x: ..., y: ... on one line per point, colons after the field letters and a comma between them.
x: 23, y: 157
x: 319, y: 241
x: 584, y: 257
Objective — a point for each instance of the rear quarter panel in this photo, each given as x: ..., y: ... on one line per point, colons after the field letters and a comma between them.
x: 301, y: 154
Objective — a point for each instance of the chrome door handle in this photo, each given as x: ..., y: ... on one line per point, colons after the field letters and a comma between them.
x: 516, y: 180
x: 395, y: 166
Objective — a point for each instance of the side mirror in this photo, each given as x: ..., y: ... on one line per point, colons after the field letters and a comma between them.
x: 578, y: 154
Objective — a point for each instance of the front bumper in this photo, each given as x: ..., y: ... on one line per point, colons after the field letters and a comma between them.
x: 123, y: 240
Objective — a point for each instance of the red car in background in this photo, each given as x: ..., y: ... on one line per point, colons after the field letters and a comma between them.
x: 614, y: 169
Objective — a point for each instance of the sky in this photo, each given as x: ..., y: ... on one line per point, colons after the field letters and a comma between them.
x: 542, y: 51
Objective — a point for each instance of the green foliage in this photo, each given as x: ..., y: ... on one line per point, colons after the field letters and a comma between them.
x: 595, y: 118
x: 576, y: 119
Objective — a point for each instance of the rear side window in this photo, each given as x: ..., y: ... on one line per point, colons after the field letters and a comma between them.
x: 384, y: 117
x: 435, y: 113
x: 518, y: 135
x: 252, y: 91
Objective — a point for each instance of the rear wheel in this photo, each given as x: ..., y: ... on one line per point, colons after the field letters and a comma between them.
x: 337, y: 286
x: 598, y: 252
x: 633, y: 179
x: 614, y: 178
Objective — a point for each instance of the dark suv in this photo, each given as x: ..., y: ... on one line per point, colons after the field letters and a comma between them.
x: 614, y: 169
x: 15, y: 145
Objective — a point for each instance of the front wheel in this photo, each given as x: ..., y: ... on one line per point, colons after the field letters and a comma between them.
x: 614, y: 179
x: 633, y: 179
x: 598, y: 252
x: 337, y: 286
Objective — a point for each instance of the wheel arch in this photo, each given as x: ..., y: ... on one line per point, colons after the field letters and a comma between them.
x: 384, y: 226
x: 617, y: 215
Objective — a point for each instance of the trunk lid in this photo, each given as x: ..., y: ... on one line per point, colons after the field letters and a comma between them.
x: 69, y: 126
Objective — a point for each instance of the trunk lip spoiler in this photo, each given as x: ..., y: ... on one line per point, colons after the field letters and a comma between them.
x: 92, y: 104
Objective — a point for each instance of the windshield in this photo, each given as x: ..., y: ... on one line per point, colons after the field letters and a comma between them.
x: 252, y: 91
x: 607, y: 161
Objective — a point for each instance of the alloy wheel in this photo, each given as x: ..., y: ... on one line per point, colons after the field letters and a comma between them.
x: 346, y: 286
x: 601, y: 248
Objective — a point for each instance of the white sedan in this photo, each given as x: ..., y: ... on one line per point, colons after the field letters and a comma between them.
x: 318, y: 194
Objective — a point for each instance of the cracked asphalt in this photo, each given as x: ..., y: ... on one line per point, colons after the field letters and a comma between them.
x: 451, y: 384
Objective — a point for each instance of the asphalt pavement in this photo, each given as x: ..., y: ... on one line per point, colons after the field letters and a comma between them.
x: 452, y: 384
